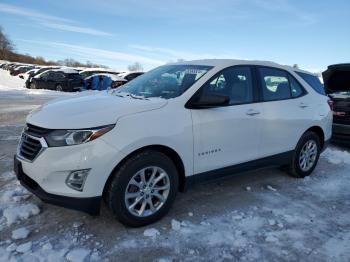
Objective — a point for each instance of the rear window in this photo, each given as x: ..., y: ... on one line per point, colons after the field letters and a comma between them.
x: 313, y: 81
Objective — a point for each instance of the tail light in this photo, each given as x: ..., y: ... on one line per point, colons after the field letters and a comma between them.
x: 331, y: 104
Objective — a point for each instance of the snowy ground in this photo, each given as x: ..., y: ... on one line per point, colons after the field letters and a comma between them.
x: 258, y: 216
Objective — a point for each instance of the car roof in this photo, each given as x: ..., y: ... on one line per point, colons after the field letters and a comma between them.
x: 113, y: 77
x: 99, y: 70
x: 124, y: 74
x: 65, y: 70
x: 232, y: 62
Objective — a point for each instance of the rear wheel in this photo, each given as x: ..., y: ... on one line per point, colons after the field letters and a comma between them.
x: 32, y: 86
x: 143, y: 188
x: 306, y: 155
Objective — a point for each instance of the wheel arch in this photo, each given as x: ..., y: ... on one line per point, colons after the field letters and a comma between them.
x: 171, y: 153
x: 319, y: 131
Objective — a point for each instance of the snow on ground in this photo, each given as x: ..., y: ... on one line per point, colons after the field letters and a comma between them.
x: 14, y: 86
x: 259, y: 216
x: 337, y: 156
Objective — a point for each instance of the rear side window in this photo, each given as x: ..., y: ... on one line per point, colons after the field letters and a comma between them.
x: 59, y: 76
x: 275, y: 84
x: 313, y: 81
x: 74, y: 76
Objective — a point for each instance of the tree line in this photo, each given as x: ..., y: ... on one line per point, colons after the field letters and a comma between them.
x: 8, y: 52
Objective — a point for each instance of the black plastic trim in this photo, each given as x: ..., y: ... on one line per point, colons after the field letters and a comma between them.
x: 271, y: 161
x: 90, y: 205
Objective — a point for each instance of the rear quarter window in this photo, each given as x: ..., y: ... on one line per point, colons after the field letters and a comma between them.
x: 313, y: 81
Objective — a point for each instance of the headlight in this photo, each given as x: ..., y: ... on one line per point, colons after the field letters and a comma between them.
x: 75, y: 137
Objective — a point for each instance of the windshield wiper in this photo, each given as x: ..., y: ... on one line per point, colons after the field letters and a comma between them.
x: 138, y: 97
x: 121, y: 94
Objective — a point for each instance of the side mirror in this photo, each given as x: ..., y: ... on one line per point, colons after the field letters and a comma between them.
x: 209, y: 101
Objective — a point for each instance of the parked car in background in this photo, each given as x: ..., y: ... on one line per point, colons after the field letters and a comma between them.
x: 28, y: 74
x: 103, y: 81
x: 67, y: 80
x: 128, y: 76
x: 337, y: 84
x: 137, y: 146
x: 41, y: 70
x: 92, y: 71
x: 20, y: 69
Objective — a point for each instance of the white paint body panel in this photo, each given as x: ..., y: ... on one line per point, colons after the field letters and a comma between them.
x: 141, y: 123
x: 225, y: 136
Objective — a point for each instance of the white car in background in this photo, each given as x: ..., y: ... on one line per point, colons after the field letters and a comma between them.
x: 92, y: 71
x: 137, y: 146
x: 128, y: 76
x: 28, y: 74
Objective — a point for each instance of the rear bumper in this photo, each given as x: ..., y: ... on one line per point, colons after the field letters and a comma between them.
x: 90, y: 205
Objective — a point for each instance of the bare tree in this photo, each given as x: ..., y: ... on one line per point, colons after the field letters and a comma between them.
x: 6, y: 46
x: 7, y: 52
x: 135, y: 67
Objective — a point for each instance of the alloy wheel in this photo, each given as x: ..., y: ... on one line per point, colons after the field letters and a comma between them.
x: 147, y: 191
x: 308, y: 155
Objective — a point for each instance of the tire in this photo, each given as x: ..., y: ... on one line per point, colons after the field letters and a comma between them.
x: 145, y: 163
x: 32, y: 86
x: 299, y: 168
x: 59, y: 88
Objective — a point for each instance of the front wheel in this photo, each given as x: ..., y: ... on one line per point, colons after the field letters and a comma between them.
x: 143, y: 188
x: 306, y: 155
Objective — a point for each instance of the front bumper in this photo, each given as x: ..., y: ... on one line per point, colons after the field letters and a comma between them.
x: 90, y: 205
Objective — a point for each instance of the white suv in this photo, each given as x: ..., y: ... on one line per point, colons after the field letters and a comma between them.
x: 137, y: 146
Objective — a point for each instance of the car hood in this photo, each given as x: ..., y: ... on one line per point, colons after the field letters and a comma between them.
x: 337, y: 78
x: 90, y: 111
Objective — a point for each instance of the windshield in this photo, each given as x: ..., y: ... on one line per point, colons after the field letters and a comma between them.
x: 167, y: 81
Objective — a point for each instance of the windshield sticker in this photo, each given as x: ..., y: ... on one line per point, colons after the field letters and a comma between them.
x: 195, y: 71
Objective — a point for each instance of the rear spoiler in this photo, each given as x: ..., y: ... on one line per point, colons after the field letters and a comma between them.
x: 337, y: 78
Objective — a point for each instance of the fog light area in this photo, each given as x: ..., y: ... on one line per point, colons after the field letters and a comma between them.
x: 76, y: 179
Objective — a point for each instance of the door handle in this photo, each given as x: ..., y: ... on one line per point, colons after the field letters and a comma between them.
x: 303, y: 105
x: 252, y: 112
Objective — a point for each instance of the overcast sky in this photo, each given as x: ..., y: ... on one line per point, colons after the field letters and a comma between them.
x: 116, y: 33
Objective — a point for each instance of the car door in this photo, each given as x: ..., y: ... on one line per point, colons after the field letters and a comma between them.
x: 286, y: 109
x: 227, y: 135
x: 46, y: 80
x: 51, y: 81
x: 40, y: 82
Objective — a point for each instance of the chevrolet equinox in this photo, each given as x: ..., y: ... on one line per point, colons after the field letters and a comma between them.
x: 137, y: 146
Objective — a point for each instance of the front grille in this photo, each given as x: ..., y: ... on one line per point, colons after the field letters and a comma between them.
x: 32, y: 142
x: 36, y: 130
x: 29, y: 147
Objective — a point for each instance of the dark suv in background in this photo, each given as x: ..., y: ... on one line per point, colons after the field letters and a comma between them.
x: 41, y: 70
x: 337, y: 84
x: 67, y: 80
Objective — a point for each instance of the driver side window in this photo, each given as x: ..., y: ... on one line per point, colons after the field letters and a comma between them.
x: 234, y: 82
